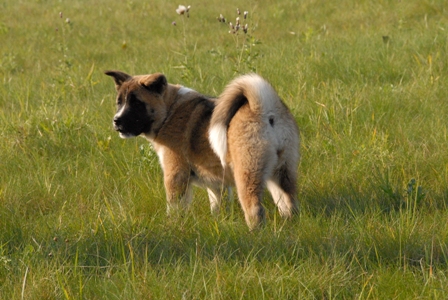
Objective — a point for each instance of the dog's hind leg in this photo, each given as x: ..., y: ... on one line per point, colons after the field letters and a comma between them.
x: 250, y: 188
x: 249, y: 169
x: 283, y: 188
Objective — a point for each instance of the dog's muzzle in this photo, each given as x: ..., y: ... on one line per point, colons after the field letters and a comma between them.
x: 117, y: 124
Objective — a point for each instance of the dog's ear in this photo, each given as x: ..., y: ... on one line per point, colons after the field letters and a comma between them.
x: 119, y: 77
x: 155, y: 83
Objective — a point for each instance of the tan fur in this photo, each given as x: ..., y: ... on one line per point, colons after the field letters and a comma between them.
x: 261, y: 150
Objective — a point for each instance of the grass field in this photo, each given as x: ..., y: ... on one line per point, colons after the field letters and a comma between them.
x: 82, y: 212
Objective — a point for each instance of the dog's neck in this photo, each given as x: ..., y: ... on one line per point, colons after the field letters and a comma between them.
x: 173, y: 94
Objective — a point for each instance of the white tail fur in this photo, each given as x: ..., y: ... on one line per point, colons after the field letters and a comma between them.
x: 252, y: 88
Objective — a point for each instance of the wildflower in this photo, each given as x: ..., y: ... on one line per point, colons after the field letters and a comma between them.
x: 67, y: 21
x: 173, y: 23
x: 232, y: 28
x: 245, y: 27
x: 221, y: 18
x: 183, y: 10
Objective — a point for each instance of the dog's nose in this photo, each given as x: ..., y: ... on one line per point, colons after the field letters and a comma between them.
x: 117, y: 121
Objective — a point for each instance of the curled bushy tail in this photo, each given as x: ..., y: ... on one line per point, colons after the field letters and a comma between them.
x: 251, y: 89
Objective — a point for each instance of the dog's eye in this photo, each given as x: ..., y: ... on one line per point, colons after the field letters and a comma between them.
x: 135, y: 102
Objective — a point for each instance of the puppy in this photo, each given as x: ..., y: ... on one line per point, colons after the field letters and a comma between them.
x: 246, y: 137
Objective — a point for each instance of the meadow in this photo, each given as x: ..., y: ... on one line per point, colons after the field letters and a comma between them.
x: 83, y: 212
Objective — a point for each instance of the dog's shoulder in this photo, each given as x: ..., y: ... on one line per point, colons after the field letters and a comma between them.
x: 190, y: 100
x: 188, y: 116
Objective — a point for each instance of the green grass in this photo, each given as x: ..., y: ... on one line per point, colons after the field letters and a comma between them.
x: 82, y: 212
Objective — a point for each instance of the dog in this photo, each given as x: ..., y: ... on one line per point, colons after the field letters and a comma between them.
x: 246, y: 137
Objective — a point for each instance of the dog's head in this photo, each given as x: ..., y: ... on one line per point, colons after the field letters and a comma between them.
x: 140, y: 105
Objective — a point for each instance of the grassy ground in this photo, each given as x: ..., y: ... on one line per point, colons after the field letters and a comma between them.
x: 82, y: 212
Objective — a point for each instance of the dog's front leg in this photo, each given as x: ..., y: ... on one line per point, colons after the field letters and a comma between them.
x: 178, y: 191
